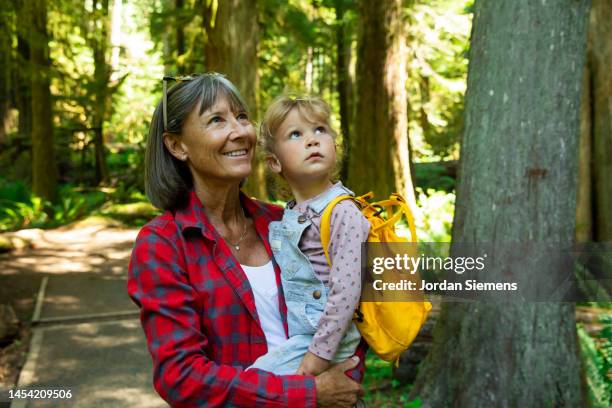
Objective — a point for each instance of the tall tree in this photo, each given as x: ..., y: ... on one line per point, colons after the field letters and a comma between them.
x: 517, y: 184
x: 600, y: 60
x: 379, y: 158
x: 44, y: 170
x: 231, y: 48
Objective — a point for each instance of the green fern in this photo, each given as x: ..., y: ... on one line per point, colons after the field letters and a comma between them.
x: 596, y: 360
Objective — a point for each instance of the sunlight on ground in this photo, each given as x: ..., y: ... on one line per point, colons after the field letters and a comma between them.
x: 71, y: 249
x: 128, y: 396
x: 100, y: 341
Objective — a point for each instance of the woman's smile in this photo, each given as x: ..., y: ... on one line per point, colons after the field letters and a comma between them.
x: 240, y: 153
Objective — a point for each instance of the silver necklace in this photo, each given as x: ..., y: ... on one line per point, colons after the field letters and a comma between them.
x: 244, y: 234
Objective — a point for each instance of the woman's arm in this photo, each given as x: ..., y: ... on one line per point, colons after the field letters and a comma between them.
x: 170, y: 316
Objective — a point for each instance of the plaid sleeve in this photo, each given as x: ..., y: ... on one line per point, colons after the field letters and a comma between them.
x: 358, y: 372
x: 183, y: 375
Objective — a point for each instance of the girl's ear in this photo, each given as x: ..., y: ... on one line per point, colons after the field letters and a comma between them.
x: 175, y: 147
x: 273, y: 163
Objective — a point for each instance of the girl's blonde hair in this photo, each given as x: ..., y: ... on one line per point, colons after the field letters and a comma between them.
x: 312, y: 108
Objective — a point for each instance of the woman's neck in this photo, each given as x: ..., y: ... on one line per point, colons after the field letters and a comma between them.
x: 304, y: 191
x: 221, y: 201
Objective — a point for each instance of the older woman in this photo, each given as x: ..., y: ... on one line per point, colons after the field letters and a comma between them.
x: 202, y: 272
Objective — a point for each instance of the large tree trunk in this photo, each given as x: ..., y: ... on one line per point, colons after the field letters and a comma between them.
x: 44, y: 171
x: 600, y: 63
x: 231, y: 49
x: 379, y: 159
x: 517, y: 183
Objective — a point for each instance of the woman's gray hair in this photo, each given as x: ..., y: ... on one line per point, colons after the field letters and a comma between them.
x: 167, y: 179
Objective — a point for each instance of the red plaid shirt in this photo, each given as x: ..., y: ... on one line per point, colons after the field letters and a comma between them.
x: 198, y: 314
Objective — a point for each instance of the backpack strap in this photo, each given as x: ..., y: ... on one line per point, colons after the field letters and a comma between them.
x: 396, y: 200
x: 326, y: 224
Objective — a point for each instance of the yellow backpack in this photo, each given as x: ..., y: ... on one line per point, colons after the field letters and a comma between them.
x: 389, y: 327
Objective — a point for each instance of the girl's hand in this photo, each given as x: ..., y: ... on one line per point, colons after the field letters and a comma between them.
x: 312, y: 365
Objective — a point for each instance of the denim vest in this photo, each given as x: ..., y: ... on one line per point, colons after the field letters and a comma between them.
x: 305, y: 294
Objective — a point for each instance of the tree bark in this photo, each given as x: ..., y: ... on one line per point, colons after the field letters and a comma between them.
x: 600, y: 63
x: 231, y: 49
x: 44, y: 170
x: 517, y: 183
x: 379, y: 159
x: 584, y: 197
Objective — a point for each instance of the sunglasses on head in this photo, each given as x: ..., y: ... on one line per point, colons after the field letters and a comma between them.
x: 165, y: 81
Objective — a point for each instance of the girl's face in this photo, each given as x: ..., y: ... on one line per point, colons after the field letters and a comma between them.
x: 304, y: 150
x: 218, y: 145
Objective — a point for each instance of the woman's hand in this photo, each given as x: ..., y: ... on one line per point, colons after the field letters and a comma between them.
x: 312, y: 364
x: 335, y: 388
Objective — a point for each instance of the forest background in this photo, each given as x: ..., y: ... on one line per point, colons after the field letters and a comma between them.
x: 79, y: 81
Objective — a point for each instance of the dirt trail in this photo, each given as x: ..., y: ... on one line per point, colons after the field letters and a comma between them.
x: 84, y: 267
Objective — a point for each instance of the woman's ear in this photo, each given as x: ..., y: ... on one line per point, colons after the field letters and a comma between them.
x: 175, y: 147
x: 273, y: 163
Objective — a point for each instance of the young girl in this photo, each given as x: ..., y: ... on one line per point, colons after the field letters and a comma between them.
x: 300, y: 146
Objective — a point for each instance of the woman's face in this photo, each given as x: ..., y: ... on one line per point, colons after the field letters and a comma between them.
x: 218, y: 145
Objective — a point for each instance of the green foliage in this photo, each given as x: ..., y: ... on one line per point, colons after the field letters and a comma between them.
x: 433, y: 176
x: 132, y: 214
x: 16, y: 215
x: 13, y: 191
x: 381, y: 390
x: 597, y: 359
x: 296, y: 37
x: 20, y: 209
x: 436, y: 218
x: 439, y: 39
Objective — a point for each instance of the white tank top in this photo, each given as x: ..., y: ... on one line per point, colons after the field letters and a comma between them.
x: 263, y: 283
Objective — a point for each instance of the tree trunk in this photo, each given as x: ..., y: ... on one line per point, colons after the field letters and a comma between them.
x: 115, y: 38
x: 584, y: 196
x: 379, y: 159
x: 44, y: 170
x: 21, y: 73
x: 179, y: 26
x: 517, y: 183
x: 231, y: 49
x: 600, y: 63
x: 99, y: 40
x: 342, y: 85
x: 6, y: 64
